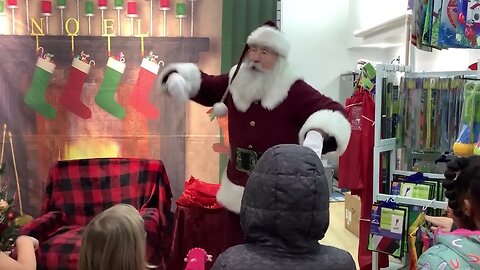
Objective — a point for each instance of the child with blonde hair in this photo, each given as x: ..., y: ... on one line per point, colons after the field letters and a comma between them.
x: 114, y: 239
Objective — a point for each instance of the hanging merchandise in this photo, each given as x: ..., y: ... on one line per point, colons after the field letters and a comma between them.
x: 348, y: 162
x: 414, y: 186
x: 435, y: 22
x: 356, y: 163
x: 105, y: 97
x: 35, y: 97
x: 387, y: 230
x: 470, y: 130
x: 431, y: 23
x: 468, y: 14
x: 431, y: 113
x: 72, y: 93
x: 476, y: 149
x: 367, y: 78
x: 419, y: 13
x: 389, y: 107
x: 427, y: 21
x: 349, y: 167
x: 139, y: 98
x: 419, y: 239
x: 458, y: 26
x: 444, y: 24
x: 427, y: 25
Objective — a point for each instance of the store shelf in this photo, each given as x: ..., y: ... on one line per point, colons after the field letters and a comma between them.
x: 411, y: 201
x: 387, y: 143
x: 394, y: 24
x: 388, y: 34
x: 429, y: 175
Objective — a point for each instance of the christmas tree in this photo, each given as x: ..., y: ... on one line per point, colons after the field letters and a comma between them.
x: 8, y: 227
x: 10, y: 222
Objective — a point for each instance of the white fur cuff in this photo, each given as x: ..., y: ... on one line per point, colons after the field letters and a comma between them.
x: 230, y: 195
x: 189, y: 71
x: 333, y: 123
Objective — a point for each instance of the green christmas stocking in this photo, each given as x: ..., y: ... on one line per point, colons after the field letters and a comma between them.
x: 105, y: 97
x: 35, y: 97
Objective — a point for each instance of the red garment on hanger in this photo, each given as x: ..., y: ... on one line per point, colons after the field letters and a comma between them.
x: 349, y: 167
x: 356, y: 169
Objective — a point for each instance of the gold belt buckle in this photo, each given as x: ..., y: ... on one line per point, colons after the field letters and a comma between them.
x: 245, y: 160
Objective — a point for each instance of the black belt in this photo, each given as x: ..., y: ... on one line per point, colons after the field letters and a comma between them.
x: 246, y: 159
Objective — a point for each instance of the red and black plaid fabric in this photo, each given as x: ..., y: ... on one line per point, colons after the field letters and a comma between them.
x: 77, y: 190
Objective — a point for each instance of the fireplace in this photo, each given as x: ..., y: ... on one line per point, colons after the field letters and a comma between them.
x: 41, y: 141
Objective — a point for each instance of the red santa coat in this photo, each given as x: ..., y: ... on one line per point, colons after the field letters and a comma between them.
x: 283, y: 116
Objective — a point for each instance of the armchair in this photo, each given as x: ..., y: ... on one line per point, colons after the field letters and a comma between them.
x: 77, y: 190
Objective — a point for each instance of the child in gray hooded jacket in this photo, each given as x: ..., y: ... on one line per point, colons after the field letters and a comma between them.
x: 284, y: 213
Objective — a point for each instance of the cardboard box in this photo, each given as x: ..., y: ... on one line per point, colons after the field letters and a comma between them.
x: 352, y: 213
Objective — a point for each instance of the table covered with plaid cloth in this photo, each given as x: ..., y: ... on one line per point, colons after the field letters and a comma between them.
x: 77, y: 190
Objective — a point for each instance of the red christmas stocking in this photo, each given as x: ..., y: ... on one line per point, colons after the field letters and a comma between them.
x: 139, y: 97
x: 73, y: 89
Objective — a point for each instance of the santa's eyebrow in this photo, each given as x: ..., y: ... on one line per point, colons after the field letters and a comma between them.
x: 261, y: 47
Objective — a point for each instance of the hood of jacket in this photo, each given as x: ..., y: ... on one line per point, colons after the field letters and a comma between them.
x: 285, y: 205
x: 459, y: 249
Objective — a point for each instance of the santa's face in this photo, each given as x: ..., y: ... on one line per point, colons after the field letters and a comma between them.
x: 263, y: 56
x: 254, y: 80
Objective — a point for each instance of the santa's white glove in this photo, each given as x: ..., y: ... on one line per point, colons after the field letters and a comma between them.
x: 314, y: 141
x: 178, y: 87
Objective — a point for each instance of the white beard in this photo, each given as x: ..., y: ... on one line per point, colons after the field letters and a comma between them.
x: 253, y: 84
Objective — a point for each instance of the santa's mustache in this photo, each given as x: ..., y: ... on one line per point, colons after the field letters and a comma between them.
x: 255, y: 66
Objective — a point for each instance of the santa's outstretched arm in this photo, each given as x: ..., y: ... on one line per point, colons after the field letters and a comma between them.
x: 186, y: 81
x: 325, y: 127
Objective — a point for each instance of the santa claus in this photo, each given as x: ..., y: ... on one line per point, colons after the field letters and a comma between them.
x: 267, y: 104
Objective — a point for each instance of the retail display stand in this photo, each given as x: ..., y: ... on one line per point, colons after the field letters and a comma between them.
x: 388, y: 145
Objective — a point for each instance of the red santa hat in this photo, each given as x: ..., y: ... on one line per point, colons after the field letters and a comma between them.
x: 267, y: 35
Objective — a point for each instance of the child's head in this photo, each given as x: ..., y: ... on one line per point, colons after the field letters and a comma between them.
x: 462, y: 189
x: 114, y: 239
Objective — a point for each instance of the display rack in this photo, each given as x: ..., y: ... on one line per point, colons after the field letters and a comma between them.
x: 388, y: 145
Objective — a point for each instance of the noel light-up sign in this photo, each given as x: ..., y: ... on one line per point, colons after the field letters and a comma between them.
x: 131, y: 9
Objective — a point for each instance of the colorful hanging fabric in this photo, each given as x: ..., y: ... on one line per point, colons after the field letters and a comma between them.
x: 413, y: 230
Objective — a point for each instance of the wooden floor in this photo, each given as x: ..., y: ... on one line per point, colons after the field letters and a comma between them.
x: 337, y: 235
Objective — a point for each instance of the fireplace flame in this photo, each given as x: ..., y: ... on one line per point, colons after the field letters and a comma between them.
x: 91, y: 148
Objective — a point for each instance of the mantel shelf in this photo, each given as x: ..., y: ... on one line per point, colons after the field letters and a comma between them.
x: 168, y: 49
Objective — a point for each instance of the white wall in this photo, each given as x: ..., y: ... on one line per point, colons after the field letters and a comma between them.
x: 373, y: 12
x: 445, y: 60
x: 318, y: 50
x: 323, y: 46
x: 3, y: 25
